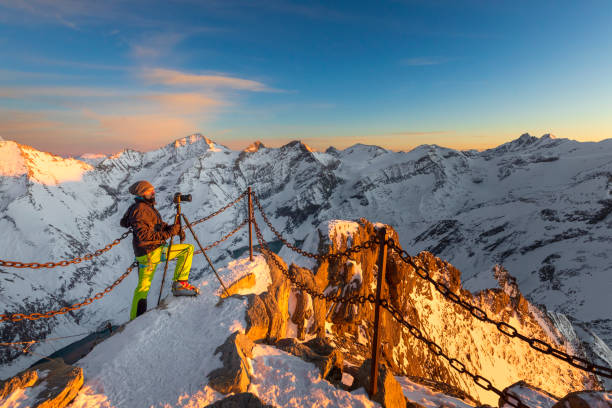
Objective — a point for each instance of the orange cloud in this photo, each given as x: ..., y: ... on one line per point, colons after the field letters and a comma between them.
x: 177, y: 78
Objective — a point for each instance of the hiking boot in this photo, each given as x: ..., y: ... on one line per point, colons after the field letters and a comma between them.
x: 183, y: 288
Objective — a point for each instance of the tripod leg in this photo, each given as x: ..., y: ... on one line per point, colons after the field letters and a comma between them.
x: 204, y: 252
x: 176, y: 219
x: 165, y: 270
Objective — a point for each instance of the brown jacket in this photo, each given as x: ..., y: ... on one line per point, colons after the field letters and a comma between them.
x: 148, y: 229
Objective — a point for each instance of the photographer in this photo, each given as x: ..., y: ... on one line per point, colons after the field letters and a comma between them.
x: 149, y: 237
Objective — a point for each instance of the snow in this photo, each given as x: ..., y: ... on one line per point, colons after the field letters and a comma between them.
x: 163, y: 357
x: 337, y: 229
x: 284, y: 380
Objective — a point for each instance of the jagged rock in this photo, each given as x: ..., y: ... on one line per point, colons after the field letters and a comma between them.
x: 268, y: 314
x: 304, y: 306
x: 326, y: 357
x: 257, y: 319
x: 585, y: 399
x: 61, y: 384
x: 246, y: 282
x: 389, y: 391
x: 531, y: 396
x: 234, y: 375
x: 242, y: 400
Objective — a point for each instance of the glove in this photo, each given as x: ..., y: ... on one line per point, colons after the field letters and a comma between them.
x: 182, y: 235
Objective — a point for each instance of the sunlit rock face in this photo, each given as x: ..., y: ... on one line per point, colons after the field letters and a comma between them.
x: 479, y: 345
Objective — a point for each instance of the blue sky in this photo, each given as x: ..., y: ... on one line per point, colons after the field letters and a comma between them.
x: 84, y: 76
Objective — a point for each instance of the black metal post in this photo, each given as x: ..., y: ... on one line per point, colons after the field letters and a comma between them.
x: 250, y: 228
x: 382, y: 263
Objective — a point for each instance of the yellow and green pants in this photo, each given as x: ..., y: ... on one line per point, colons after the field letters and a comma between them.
x: 146, y: 269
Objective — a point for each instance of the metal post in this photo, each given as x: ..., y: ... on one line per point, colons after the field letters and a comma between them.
x: 177, y: 218
x: 382, y: 263
x: 250, y: 222
x: 204, y: 253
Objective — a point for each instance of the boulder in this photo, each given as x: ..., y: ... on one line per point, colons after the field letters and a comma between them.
x: 234, y: 375
x: 586, y: 399
x: 257, y: 319
x: 242, y: 400
x: 389, y: 392
x: 268, y: 314
x: 52, y: 384
x: 327, y: 358
x: 246, y: 282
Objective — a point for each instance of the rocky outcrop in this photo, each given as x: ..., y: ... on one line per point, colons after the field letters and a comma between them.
x: 234, y: 375
x: 585, y: 399
x: 268, y: 314
x: 48, y: 385
x: 242, y: 400
x: 477, y: 344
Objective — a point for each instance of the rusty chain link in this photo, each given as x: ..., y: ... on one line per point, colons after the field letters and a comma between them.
x: 87, y: 257
x: 358, y: 248
x: 225, y: 237
x: 220, y: 210
x: 503, y: 327
x: 16, y: 317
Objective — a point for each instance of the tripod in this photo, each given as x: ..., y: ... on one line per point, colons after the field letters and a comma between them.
x: 177, y: 219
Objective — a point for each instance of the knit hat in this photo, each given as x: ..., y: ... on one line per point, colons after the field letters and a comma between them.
x: 140, y: 187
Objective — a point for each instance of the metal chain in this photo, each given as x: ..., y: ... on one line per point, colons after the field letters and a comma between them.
x: 505, y: 328
x: 225, y: 238
x: 220, y: 210
x: 15, y: 317
x: 453, y: 362
x: 358, y: 248
x: 88, y: 257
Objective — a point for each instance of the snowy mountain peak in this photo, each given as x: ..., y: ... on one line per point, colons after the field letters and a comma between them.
x: 254, y: 147
x: 45, y: 168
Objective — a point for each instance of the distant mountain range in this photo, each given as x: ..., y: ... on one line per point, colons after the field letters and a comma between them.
x: 538, y: 206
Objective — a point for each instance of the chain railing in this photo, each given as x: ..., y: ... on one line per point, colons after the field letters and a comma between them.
x: 220, y: 210
x: 321, y: 257
x: 225, y: 237
x: 87, y: 257
x: 413, y: 330
x: 16, y: 317
x: 505, y: 328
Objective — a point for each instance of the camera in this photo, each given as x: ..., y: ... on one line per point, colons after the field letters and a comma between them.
x: 179, y: 198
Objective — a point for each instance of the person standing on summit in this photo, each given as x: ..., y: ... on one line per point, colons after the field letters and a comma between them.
x: 149, y: 241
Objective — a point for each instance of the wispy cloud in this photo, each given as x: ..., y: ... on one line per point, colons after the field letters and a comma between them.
x: 155, y: 45
x: 178, y: 78
x: 423, y: 61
